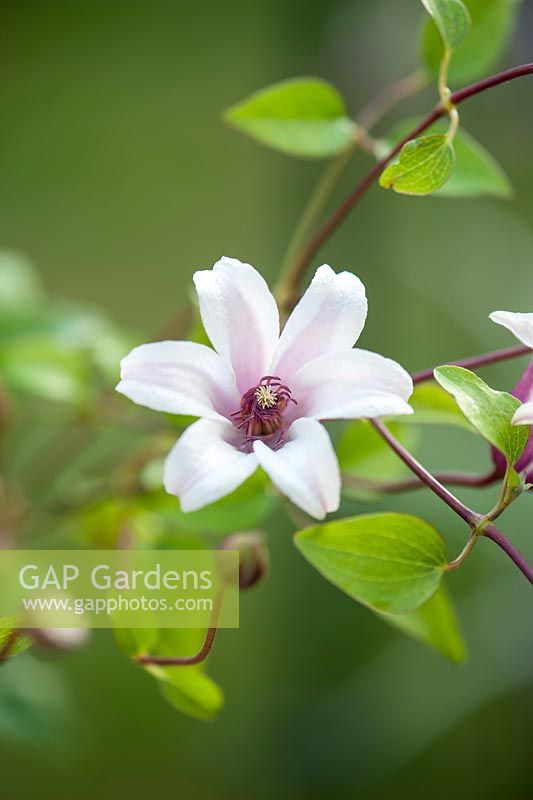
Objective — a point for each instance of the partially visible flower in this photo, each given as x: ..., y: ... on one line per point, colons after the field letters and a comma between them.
x: 60, y: 638
x: 521, y: 325
x: 260, y: 395
x: 524, y: 415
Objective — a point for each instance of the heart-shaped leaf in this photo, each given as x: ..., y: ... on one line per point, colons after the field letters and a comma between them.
x: 190, y: 691
x: 451, y: 18
x: 389, y: 562
x: 492, y: 25
x: 303, y: 117
x: 424, y: 165
x: 489, y: 411
x: 476, y: 172
x: 435, y: 624
x: 187, y: 688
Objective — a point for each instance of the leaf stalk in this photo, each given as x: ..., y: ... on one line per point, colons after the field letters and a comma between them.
x: 288, y: 289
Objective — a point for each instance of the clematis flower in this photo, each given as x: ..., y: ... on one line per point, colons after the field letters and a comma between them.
x: 261, y: 395
x: 521, y: 325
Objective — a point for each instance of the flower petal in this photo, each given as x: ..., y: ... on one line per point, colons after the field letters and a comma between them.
x: 523, y: 391
x: 521, y: 325
x: 351, y: 385
x: 329, y: 318
x: 524, y: 415
x: 241, y: 318
x: 305, y: 468
x: 205, y: 465
x: 179, y: 378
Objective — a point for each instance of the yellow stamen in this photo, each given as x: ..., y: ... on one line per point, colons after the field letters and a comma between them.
x: 266, y: 397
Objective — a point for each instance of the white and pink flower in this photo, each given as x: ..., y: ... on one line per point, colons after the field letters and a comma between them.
x: 261, y: 395
x: 521, y: 325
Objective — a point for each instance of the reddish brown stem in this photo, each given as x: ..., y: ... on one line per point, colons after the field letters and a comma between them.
x: 185, y: 661
x: 476, y: 521
x: 492, y: 532
x: 477, y: 361
x: 332, y: 223
x: 201, y: 655
x: 451, y: 478
x: 426, y: 477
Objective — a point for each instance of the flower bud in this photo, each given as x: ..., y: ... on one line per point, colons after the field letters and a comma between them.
x: 253, y: 556
x: 523, y: 391
x: 62, y: 639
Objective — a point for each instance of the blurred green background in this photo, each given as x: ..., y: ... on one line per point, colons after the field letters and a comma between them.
x: 118, y: 180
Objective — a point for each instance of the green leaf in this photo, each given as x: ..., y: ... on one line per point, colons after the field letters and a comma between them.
x: 37, y: 710
x: 153, y: 519
x: 303, y: 117
x: 159, y: 641
x: 489, y: 411
x: 363, y: 455
x: 451, y: 18
x: 244, y: 508
x: 20, y: 644
x: 389, y: 562
x: 20, y: 289
x: 87, y: 333
x: 423, y: 166
x: 187, y: 689
x: 45, y: 369
x: 136, y: 641
x: 476, y: 171
x: 434, y: 406
x: 493, y: 22
x: 190, y: 691
x: 434, y: 623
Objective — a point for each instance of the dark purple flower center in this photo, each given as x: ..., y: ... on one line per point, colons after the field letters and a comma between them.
x: 261, y: 413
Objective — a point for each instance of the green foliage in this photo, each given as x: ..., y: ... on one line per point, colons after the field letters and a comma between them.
x: 99, y: 524
x: 489, y: 411
x: 423, y: 166
x: 52, y: 350
x: 47, y: 369
x: 476, y: 171
x: 244, y: 508
x: 434, y: 406
x: 21, y: 289
x: 451, y: 18
x: 153, y: 520
x: 36, y: 709
x: 190, y: 691
x: 136, y: 641
x: 365, y: 456
x: 303, y: 117
x: 493, y: 22
x: 22, y: 642
x: 91, y: 336
x: 435, y: 624
x: 389, y: 562
x: 187, y: 688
